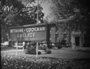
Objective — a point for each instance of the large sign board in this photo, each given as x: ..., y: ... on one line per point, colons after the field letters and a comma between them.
x: 28, y: 33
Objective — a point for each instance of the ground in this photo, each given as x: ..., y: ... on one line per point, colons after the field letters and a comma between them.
x: 64, y: 58
x: 56, y: 53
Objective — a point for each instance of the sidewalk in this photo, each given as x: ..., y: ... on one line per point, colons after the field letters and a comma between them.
x: 83, y: 49
x: 65, y: 52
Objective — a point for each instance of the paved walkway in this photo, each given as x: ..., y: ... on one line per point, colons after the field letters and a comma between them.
x: 82, y: 49
x: 69, y: 53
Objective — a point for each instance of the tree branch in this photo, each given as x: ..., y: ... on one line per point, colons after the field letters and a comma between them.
x: 68, y: 19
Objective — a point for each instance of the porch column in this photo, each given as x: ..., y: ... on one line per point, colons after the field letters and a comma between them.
x: 73, y: 42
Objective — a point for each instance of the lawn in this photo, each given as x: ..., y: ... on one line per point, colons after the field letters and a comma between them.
x: 25, y: 61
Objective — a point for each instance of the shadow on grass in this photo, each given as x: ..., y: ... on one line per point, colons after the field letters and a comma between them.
x: 7, y: 48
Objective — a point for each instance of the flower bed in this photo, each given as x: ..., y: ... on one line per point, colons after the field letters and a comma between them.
x: 26, y: 62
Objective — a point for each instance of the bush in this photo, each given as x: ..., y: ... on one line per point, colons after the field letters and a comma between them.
x: 30, y: 48
x: 59, y: 46
x: 26, y: 62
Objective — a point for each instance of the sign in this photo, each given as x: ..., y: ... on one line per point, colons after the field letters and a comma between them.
x: 28, y: 33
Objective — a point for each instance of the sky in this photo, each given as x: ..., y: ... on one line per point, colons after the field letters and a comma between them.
x: 46, y: 5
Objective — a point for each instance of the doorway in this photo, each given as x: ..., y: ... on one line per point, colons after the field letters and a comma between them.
x: 77, y: 41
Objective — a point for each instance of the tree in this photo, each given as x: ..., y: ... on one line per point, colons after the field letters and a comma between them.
x: 15, y: 13
x: 33, y: 10
x: 68, y: 10
x: 70, y: 15
x: 8, y: 10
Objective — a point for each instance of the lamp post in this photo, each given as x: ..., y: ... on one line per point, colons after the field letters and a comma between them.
x: 37, y: 11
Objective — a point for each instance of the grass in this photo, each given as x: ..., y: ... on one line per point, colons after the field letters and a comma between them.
x: 6, y: 48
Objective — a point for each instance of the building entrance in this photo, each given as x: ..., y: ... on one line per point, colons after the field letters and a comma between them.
x: 77, y: 41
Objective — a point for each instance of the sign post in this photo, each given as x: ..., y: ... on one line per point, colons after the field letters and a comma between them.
x: 37, y: 49
x: 16, y: 48
x: 37, y: 23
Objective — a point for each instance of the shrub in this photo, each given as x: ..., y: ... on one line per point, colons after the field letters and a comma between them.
x: 26, y: 62
x: 30, y: 48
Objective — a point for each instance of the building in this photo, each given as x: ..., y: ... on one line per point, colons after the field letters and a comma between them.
x: 74, y: 38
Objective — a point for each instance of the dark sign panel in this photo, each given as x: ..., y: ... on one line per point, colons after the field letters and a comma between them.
x: 28, y: 33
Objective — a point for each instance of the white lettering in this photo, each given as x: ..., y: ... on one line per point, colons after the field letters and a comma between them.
x: 26, y: 35
x: 16, y: 30
x: 34, y: 29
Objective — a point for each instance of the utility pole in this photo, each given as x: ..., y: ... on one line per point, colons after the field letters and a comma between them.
x: 37, y: 11
x: 37, y: 23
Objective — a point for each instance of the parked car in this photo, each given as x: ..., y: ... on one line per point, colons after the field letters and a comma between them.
x: 6, y: 43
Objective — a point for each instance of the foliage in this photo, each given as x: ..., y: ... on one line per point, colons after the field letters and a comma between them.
x: 71, y: 13
x: 32, y: 12
x: 30, y: 48
x: 9, y: 9
x: 14, y: 13
x: 26, y: 62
